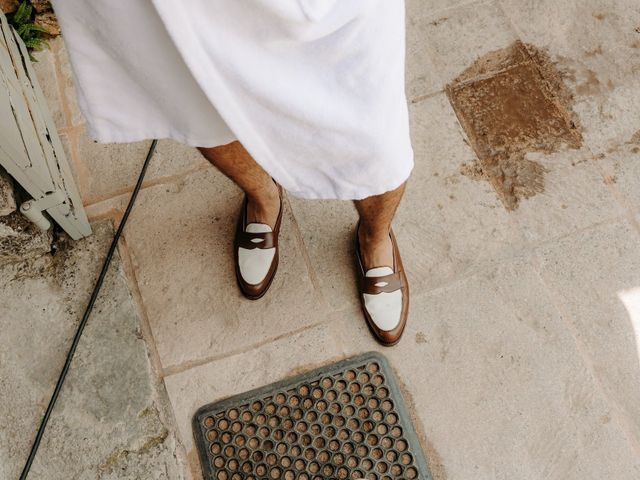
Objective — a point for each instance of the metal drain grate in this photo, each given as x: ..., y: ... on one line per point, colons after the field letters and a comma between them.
x: 346, y: 420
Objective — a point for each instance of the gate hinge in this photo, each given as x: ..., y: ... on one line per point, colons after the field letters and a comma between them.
x: 32, y: 209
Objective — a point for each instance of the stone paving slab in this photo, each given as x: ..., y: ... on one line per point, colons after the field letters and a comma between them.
x: 180, y: 238
x: 574, y: 197
x: 497, y: 386
x: 596, y: 275
x: 112, y: 169
x: 598, y: 37
x: 515, y: 364
x: 238, y: 373
x: 110, y: 421
x: 449, y: 224
x: 458, y: 36
x: 421, y: 71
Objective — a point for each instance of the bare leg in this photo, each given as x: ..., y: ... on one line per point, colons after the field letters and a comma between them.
x: 236, y: 163
x: 376, y: 213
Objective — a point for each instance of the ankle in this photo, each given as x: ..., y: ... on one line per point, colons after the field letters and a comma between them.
x: 373, y: 236
x: 265, y: 198
x: 264, y: 206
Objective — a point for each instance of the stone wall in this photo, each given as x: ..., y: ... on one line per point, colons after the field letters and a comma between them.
x: 44, y: 15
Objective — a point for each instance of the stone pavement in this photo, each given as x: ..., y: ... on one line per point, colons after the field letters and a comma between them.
x: 521, y: 358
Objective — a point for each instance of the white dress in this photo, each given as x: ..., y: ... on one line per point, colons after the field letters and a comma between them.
x: 313, y: 89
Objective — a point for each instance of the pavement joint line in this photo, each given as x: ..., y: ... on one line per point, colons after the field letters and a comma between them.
x: 167, y: 414
x: 594, y: 226
x: 486, y: 76
x: 190, y: 364
x: 460, y: 6
x: 489, y: 265
x: 138, y: 302
x: 305, y: 252
x: 153, y: 182
x: 420, y: 98
x: 113, y: 214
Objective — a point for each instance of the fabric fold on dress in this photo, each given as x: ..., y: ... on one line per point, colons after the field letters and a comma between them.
x: 314, y: 89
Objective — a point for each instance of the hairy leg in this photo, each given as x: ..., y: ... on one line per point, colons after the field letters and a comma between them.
x: 234, y: 161
x: 376, y: 213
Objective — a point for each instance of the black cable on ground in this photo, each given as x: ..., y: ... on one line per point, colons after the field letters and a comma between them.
x: 87, y: 312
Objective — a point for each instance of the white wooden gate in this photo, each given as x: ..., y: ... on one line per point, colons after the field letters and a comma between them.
x: 30, y: 149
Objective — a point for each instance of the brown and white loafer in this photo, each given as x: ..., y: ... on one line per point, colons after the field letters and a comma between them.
x: 255, y: 251
x: 384, y: 296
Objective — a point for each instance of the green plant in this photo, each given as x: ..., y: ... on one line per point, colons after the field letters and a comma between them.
x: 30, y: 32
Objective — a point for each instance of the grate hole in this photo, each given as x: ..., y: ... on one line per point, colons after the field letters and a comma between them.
x: 344, y: 425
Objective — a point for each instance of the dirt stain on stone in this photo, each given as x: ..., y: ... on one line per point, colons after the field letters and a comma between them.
x: 635, y: 139
x: 511, y: 102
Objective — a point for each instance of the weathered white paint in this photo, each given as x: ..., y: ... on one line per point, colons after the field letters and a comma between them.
x: 30, y: 149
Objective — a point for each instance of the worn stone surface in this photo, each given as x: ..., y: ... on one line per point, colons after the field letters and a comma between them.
x: 597, y: 46
x: 41, y: 6
x: 7, y: 199
x: 448, y: 225
x: 244, y: 371
x: 460, y: 35
x: 422, y: 74
x: 9, y: 6
x: 45, y: 69
x: 49, y: 22
x: 66, y: 81
x: 180, y: 237
x: 575, y: 197
x: 489, y: 367
x: 525, y: 362
x: 323, y: 224
x: 21, y: 239
x: 596, y: 274
x: 109, y: 421
x: 621, y: 168
x: 512, y: 102
x: 114, y: 168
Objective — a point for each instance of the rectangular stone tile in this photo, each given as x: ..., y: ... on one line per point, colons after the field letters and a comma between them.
x: 489, y: 368
x: 114, y: 168
x: 459, y: 36
x: 110, y: 419
x: 214, y: 381
x: 574, y: 197
x: 180, y: 237
x: 597, y: 47
x: 596, y: 276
